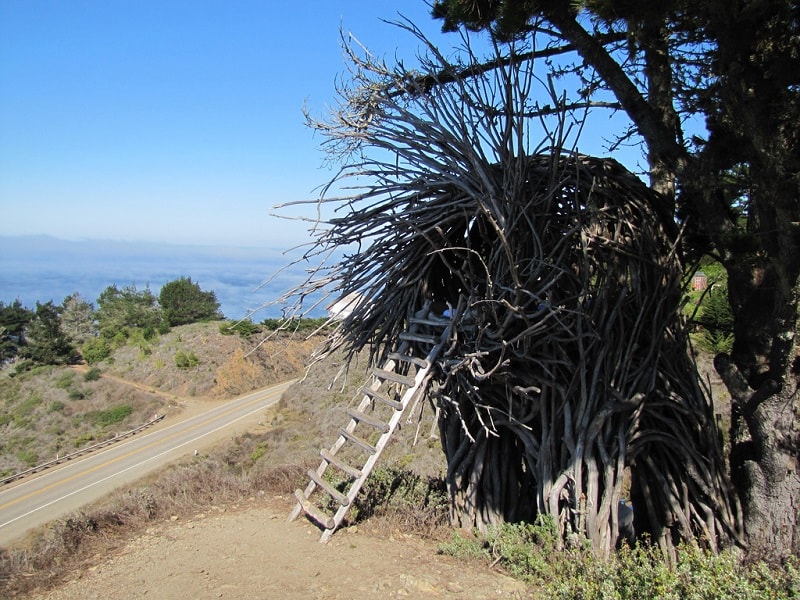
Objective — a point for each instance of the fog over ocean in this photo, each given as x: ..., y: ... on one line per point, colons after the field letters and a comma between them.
x: 42, y: 268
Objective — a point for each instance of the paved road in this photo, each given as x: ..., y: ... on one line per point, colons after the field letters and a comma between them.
x: 35, y: 501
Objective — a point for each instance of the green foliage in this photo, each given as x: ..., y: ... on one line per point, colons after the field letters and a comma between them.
x: 140, y: 338
x: 395, y: 490
x: 76, y: 394
x: 56, y: 406
x: 92, y: 374
x: 96, y: 350
x: 304, y: 325
x: 23, y: 412
x: 127, y: 308
x: 65, y: 380
x: 183, y: 302
x: 259, y: 451
x: 529, y: 552
x: 109, y: 416
x: 716, y: 319
x: 47, y: 344
x: 14, y: 320
x: 186, y: 360
x: 244, y: 328
x: 28, y: 457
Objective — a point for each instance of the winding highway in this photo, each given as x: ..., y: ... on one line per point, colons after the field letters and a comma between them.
x: 37, y: 500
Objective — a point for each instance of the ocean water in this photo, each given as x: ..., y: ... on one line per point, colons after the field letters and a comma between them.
x: 41, y: 268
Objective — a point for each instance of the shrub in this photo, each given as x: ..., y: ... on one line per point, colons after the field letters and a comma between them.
x: 109, y: 416
x: 92, y: 374
x: 182, y: 302
x: 28, y: 457
x: 260, y: 451
x: 76, y: 394
x: 186, y: 360
x: 528, y: 552
x: 244, y: 328
x: 83, y: 439
x: 65, y: 380
x: 96, y: 350
x: 25, y: 408
x: 56, y: 406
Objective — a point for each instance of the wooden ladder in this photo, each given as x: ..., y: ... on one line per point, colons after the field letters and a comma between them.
x: 391, y: 387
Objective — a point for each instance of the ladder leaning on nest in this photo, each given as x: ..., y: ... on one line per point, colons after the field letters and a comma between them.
x: 387, y: 389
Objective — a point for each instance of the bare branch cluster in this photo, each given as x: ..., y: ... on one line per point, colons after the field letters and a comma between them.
x: 567, y: 381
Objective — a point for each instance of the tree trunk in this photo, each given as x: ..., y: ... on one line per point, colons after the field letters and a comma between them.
x: 762, y: 376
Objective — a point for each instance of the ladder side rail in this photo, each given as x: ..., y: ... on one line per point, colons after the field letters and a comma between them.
x: 389, y: 366
x: 420, y: 379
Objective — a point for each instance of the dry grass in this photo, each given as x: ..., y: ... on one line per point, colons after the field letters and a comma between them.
x: 264, y: 465
x: 56, y: 410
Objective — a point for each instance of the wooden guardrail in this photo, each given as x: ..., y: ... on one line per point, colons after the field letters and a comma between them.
x: 67, y: 457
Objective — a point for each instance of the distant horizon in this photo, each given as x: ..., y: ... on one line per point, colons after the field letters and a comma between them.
x: 42, y: 268
x: 170, y: 122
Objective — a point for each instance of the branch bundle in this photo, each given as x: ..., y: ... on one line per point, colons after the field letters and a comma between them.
x: 568, y: 368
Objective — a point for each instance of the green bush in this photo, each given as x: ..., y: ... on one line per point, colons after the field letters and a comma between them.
x: 92, y: 374
x: 65, y: 380
x: 76, y: 394
x: 244, y: 328
x: 27, y: 406
x: 304, y: 324
x: 96, y: 350
x: 56, y: 406
x: 186, y: 360
x: 109, y: 416
x: 28, y: 457
x: 182, y: 302
x: 259, y: 451
x: 529, y: 552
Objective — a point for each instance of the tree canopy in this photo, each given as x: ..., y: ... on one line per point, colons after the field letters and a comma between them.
x: 46, y: 343
x: 183, y: 301
x: 127, y: 308
x: 14, y: 320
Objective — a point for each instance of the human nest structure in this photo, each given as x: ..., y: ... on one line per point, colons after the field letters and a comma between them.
x: 566, y: 385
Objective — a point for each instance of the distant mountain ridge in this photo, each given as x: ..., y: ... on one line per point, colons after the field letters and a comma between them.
x: 42, y: 268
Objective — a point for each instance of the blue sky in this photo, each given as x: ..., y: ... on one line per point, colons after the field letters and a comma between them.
x: 173, y: 121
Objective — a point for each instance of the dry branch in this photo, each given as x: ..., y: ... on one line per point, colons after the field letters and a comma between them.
x: 569, y: 368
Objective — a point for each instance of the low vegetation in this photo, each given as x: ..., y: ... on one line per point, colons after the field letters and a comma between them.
x: 530, y: 552
x: 50, y: 410
x: 405, y: 493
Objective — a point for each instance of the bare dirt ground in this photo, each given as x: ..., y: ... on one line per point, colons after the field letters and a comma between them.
x: 250, y: 551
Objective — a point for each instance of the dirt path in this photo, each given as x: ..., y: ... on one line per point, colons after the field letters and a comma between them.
x: 250, y: 551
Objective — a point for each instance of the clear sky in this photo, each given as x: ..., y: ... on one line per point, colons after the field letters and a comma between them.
x: 173, y: 121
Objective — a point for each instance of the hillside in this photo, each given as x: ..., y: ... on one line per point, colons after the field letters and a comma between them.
x: 213, y: 497
x: 51, y: 411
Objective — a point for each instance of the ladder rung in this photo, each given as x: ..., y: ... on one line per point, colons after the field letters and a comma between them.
x: 330, y: 458
x: 417, y: 337
x: 416, y: 360
x: 392, y: 376
x: 368, y: 420
x: 328, y: 488
x: 314, y: 512
x: 381, y: 398
x: 358, y: 441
